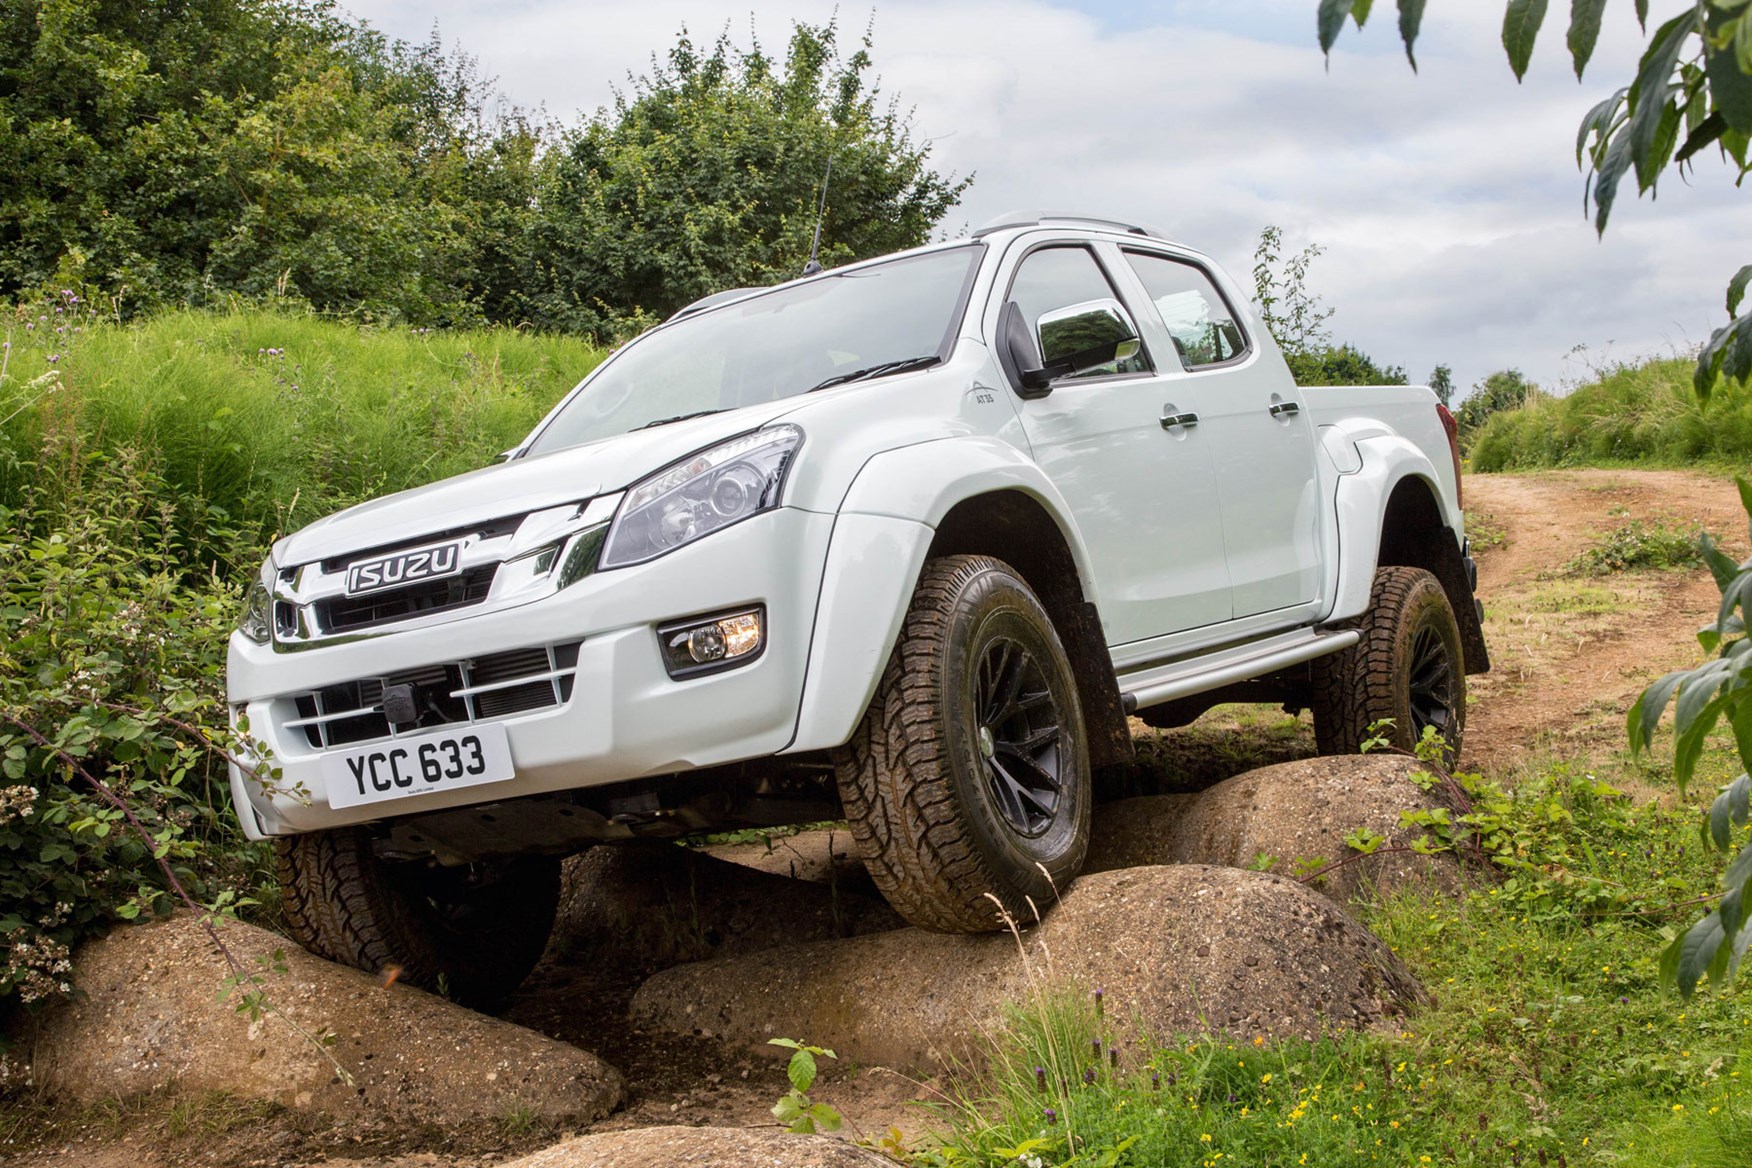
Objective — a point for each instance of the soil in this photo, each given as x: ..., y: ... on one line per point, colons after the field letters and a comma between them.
x: 1569, y: 654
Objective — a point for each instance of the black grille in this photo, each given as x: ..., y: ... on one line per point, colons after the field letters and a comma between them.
x: 433, y: 686
x: 343, y: 614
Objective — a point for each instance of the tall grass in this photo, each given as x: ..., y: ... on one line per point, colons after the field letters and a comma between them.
x: 271, y: 418
x: 1642, y: 413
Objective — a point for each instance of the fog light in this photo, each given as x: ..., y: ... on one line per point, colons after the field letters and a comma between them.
x: 709, y: 643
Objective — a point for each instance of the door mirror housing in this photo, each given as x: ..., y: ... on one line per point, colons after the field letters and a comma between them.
x: 1067, y: 341
x: 1081, y: 337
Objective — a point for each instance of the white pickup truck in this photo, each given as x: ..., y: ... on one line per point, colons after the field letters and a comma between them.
x: 905, y: 542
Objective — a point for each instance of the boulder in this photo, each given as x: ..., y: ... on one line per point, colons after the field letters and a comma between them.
x: 649, y: 905
x: 702, y: 1147
x: 1186, y: 948
x: 1293, y: 811
x: 148, y: 1015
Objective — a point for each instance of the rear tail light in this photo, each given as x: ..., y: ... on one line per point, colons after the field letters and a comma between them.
x: 1453, y: 431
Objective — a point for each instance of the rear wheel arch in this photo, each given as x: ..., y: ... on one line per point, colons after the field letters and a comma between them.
x: 1016, y: 528
x: 1414, y: 534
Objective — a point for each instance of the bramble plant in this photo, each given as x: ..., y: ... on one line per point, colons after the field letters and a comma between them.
x: 795, y: 1109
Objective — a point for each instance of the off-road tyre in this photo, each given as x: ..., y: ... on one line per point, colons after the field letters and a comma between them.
x: 977, y: 700
x: 473, y: 932
x: 1410, y: 666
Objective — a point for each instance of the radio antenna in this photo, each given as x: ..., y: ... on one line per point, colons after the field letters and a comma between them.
x: 814, y: 264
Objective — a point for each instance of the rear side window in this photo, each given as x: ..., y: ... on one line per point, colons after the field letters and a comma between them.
x: 1059, y: 277
x: 1204, y: 329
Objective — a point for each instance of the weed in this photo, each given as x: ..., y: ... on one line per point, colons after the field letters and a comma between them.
x: 795, y: 1109
x: 1638, y: 544
x: 520, y: 1119
x: 1484, y: 530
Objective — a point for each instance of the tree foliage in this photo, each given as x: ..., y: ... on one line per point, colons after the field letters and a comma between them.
x: 1506, y: 389
x: 1692, y: 91
x: 187, y: 153
x: 707, y: 175
x: 1296, y: 318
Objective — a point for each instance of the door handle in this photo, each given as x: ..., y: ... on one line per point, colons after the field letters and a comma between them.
x: 1172, y: 420
x: 1284, y: 409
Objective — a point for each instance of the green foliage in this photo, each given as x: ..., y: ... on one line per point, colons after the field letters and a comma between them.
x: 110, y: 673
x: 262, y: 421
x: 1638, y: 545
x: 1548, y: 1041
x: 1442, y: 384
x: 1506, y: 389
x: 1296, y: 318
x: 707, y: 177
x: 1692, y: 90
x: 1644, y: 413
x: 1718, y: 690
x: 795, y: 1109
x: 178, y: 153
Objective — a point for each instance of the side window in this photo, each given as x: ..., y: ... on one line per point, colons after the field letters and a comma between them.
x: 1060, y: 277
x: 1194, y: 312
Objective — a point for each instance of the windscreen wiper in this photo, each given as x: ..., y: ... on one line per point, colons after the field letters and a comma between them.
x: 904, y: 365
x: 676, y: 418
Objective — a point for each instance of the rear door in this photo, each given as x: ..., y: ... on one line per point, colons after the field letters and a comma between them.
x: 1144, y: 493
x: 1259, y: 436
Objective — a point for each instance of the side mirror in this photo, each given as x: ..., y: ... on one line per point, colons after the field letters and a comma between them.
x: 1086, y: 336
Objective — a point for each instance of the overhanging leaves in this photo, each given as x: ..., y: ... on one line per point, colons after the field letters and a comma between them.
x: 1737, y: 288
x: 1584, y: 31
x: 1410, y: 21
x: 1521, y: 24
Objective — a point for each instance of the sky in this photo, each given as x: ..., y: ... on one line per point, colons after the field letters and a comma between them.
x: 1447, y: 202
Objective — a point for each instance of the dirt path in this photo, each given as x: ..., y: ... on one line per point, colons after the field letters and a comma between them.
x: 1571, y: 651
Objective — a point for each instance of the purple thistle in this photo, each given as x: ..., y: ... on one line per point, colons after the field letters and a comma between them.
x: 53, y: 357
x: 1040, y: 1079
x: 1095, y: 1047
x: 1089, y: 1077
x: 1100, y: 1008
x: 1155, y: 1080
x: 1113, y: 1056
x: 1051, y: 1116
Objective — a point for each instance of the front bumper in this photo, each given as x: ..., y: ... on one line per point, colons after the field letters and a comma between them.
x: 625, y: 717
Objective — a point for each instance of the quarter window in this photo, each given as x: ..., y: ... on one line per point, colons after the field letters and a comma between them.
x: 1195, y: 314
x: 1059, y: 277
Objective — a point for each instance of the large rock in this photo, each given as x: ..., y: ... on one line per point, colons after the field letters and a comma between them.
x: 148, y: 1015
x: 702, y: 1147
x: 1293, y: 811
x: 649, y: 905
x: 1185, y: 948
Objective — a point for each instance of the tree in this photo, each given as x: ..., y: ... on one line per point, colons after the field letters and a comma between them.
x: 707, y: 176
x: 1506, y: 389
x: 1442, y: 382
x: 1296, y: 319
x: 1692, y: 90
x: 182, y: 152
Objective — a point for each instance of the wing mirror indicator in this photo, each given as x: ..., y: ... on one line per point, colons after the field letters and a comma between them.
x: 1067, y: 341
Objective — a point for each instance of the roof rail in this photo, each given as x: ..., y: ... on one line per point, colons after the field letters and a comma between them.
x: 714, y: 299
x: 1038, y: 218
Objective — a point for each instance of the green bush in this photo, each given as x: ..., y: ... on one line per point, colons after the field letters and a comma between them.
x: 267, y: 420
x: 1644, y: 414
x: 111, y: 673
x: 1639, y: 545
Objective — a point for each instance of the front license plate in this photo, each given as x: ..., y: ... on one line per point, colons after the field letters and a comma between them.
x: 417, y: 764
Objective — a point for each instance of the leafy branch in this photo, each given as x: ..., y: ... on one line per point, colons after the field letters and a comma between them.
x: 1692, y: 90
x: 1702, y: 697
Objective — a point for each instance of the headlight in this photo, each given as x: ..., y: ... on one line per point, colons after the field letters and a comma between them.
x: 257, y: 622
x: 703, y: 493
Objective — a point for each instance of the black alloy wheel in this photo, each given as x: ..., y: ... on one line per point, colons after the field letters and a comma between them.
x: 1018, y: 737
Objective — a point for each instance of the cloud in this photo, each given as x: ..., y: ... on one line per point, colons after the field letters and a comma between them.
x: 1448, y: 201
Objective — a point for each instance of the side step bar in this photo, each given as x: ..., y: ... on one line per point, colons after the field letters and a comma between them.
x: 1179, y: 679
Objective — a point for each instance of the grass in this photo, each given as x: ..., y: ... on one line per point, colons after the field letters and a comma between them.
x: 274, y: 418
x: 1634, y: 414
x: 1548, y: 1041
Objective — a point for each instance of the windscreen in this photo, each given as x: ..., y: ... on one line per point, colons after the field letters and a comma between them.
x: 774, y: 345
